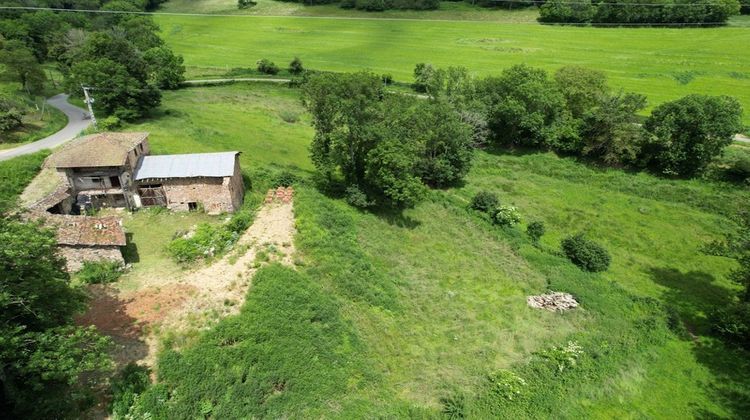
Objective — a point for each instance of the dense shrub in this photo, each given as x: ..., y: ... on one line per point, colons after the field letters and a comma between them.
x: 295, y: 67
x: 585, y: 253
x: 267, y: 66
x: 126, y: 386
x: 506, y: 216
x: 484, y: 201
x: 209, y: 240
x: 285, y: 179
x: 357, y: 198
x: 733, y: 323
x: 535, y: 231
x: 96, y: 272
x: 11, y: 113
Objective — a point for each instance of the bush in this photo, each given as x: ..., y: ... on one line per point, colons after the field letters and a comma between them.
x: 96, y: 272
x: 563, y: 358
x: 295, y: 67
x: 484, y: 201
x: 109, y: 123
x: 586, y: 254
x: 387, y: 79
x: 209, y: 240
x: 454, y: 406
x: 285, y: 179
x: 357, y: 198
x: 506, y: 216
x: 535, y: 231
x: 267, y: 66
x: 733, y: 323
x: 126, y: 386
x: 506, y: 385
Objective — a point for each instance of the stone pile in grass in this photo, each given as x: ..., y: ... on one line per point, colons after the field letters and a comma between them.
x: 555, y: 301
x: 280, y: 194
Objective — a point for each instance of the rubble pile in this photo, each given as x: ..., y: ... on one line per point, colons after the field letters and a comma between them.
x: 280, y: 194
x: 555, y: 301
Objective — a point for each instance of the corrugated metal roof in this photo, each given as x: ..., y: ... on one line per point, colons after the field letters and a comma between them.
x: 186, y: 166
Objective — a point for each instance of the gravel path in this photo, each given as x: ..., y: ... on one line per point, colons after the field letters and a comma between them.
x: 76, y: 124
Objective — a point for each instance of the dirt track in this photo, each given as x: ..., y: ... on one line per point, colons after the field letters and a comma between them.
x: 198, y: 298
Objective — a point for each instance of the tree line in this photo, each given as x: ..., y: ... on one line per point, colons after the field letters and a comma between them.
x: 119, y: 55
x: 567, y: 11
x: 388, y: 149
x: 638, y: 11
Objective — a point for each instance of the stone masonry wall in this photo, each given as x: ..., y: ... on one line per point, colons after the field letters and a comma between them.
x: 212, y: 193
x: 76, y: 255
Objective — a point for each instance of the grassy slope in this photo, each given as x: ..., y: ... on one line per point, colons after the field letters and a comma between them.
x: 15, y: 174
x: 436, y: 295
x: 662, y: 63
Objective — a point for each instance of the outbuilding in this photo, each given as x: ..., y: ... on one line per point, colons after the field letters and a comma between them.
x: 208, y: 181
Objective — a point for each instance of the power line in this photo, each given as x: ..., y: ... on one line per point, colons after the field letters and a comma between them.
x: 125, y: 12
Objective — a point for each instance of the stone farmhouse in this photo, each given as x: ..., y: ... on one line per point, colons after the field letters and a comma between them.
x: 116, y: 170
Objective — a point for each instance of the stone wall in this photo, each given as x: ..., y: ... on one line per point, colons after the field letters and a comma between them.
x: 236, y: 185
x: 213, y: 194
x: 75, y: 255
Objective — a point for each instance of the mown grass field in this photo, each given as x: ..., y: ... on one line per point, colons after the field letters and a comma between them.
x: 661, y: 63
x: 406, y: 309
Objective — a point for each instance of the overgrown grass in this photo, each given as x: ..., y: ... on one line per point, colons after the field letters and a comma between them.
x: 434, y: 297
x: 288, y: 354
x: 210, y: 240
x: 15, y: 175
x: 650, y: 61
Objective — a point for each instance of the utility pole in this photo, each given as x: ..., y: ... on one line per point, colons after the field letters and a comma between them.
x: 89, y: 101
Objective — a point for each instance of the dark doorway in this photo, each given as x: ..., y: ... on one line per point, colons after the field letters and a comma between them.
x: 152, y: 195
x: 192, y: 206
x: 115, y: 181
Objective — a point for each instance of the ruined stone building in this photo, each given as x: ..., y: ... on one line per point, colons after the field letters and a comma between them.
x: 211, y: 181
x: 115, y: 170
x: 84, y: 238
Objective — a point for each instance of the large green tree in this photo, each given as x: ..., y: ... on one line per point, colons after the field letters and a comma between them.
x: 526, y: 107
x: 22, y: 66
x: 11, y: 113
x: 686, y: 134
x: 42, y: 355
x: 386, y: 147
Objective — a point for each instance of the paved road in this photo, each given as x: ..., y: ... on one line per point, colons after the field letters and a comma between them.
x: 76, y: 124
x: 741, y: 137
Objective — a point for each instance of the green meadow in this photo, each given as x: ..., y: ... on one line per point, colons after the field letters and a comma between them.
x: 397, y: 313
x: 661, y: 63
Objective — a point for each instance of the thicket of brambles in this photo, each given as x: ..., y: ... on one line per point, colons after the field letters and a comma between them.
x: 119, y: 55
x: 638, y: 11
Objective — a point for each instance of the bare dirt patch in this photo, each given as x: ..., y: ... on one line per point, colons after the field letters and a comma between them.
x: 197, y: 299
